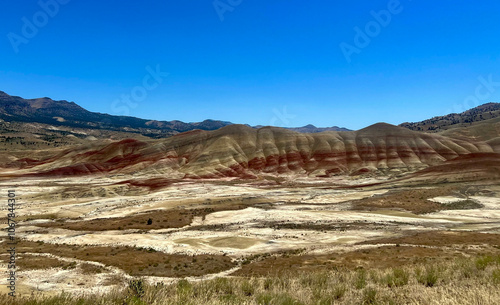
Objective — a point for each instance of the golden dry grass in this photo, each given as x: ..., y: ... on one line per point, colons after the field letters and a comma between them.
x: 474, y: 280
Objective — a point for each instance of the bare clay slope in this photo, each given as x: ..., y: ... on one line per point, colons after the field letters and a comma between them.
x: 241, y: 151
x: 488, y: 130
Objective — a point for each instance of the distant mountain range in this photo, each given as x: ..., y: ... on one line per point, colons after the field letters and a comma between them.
x: 311, y: 128
x: 63, y: 113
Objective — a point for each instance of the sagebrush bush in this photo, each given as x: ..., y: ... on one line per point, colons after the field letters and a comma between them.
x: 369, y: 296
x: 428, y: 277
x: 360, y: 279
x: 496, y: 276
x: 397, y: 278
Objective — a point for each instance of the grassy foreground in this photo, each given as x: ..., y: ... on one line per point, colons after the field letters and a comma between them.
x: 462, y: 281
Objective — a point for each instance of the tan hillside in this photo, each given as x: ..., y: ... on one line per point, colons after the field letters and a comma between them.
x: 242, y: 151
x: 488, y: 130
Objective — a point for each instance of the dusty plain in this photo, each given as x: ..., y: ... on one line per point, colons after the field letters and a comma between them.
x: 96, y: 233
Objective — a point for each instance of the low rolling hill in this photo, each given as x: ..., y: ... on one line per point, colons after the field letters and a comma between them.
x: 245, y: 152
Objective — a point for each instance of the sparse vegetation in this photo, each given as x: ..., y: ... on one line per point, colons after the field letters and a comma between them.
x: 134, y: 261
x: 414, y: 200
x: 427, y: 277
x: 172, y: 218
x: 416, y: 284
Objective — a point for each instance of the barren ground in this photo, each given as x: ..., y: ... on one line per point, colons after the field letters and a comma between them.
x: 91, y: 234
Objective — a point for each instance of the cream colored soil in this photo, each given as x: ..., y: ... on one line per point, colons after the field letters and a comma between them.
x: 326, y: 223
x: 447, y: 199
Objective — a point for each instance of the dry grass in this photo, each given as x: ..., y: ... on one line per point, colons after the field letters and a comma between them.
x: 380, y: 257
x: 474, y: 280
x: 420, y: 248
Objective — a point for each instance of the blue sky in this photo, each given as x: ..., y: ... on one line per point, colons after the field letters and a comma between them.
x: 257, y: 62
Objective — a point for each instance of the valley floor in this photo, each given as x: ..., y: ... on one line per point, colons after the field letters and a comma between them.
x: 99, y: 235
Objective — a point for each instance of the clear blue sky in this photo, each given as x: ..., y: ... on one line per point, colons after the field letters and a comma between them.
x: 263, y: 58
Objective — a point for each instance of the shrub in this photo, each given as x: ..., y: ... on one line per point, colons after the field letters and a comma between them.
x: 397, y: 278
x: 222, y: 286
x: 483, y: 262
x: 360, y: 279
x: 277, y: 299
x: 370, y: 296
x: 247, y: 288
x: 264, y: 299
x: 428, y: 278
x: 496, y: 276
x: 71, y: 265
x: 136, y: 288
x: 326, y: 300
x: 317, y: 280
x: 184, y: 286
x: 339, y: 291
x: 467, y: 269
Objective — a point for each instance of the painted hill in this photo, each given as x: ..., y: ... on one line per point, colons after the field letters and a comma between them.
x: 245, y: 152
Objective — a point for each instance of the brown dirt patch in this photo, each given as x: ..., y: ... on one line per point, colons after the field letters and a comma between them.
x: 334, y: 226
x: 134, y: 261
x: 31, y: 262
x: 153, y: 220
x: 376, y: 258
x: 381, y: 257
x: 443, y: 238
x: 414, y: 200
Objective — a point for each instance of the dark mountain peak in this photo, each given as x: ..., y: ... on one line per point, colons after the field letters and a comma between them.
x: 480, y: 113
x: 63, y: 113
x: 48, y: 111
